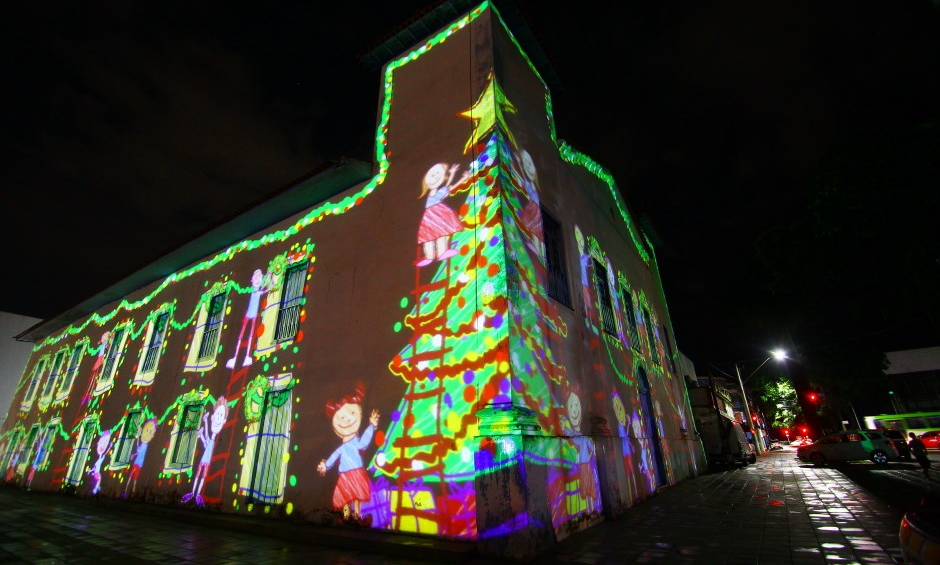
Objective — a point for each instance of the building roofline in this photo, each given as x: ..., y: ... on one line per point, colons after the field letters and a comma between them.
x: 439, y: 15
x: 314, y: 187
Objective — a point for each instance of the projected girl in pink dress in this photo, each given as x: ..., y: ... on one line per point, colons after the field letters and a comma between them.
x: 353, y: 486
x: 439, y: 221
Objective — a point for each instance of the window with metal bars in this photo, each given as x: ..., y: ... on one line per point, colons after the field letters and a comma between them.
x: 45, y: 448
x: 271, y: 445
x: 54, y: 375
x: 111, y: 358
x: 651, y: 337
x: 156, y: 342
x: 556, y: 279
x: 80, y: 453
x: 12, y: 448
x: 288, y: 316
x: 124, y: 446
x: 184, y: 444
x: 603, y: 296
x: 34, y: 381
x: 627, y: 298
x: 210, y: 332
x: 72, y: 369
x: 32, y: 444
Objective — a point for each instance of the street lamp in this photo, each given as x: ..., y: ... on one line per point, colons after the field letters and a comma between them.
x: 777, y: 354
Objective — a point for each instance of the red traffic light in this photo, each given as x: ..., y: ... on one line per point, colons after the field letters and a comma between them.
x: 754, y: 417
x: 803, y: 430
x: 813, y: 397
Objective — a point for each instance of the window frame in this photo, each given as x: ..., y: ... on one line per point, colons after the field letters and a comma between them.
x: 71, y: 371
x: 604, y: 299
x: 112, y: 359
x: 190, y: 432
x: 35, y: 377
x: 124, y: 444
x: 153, y: 349
x: 213, y: 324
x: 76, y: 468
x: 629, y: 306
x: 650, y: 336
x: 556, y: 262
x: 55, y: 372
x: 288, y: 314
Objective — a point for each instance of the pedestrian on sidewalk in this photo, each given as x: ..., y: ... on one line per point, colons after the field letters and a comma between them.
x: 919, y: 451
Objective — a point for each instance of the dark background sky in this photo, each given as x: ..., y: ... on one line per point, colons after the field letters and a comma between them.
x: 129, y: 128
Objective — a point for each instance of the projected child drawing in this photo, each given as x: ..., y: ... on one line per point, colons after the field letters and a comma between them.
x: 352, y: 487
x: 586, y: 479
x: 101, y: 449
x: 96, y: 367
x: 147, y: 432
x: 620, y: 412
x: 207, y: 434
x: 259, y: 286
x: 439, y: 221
x: 531, y: 215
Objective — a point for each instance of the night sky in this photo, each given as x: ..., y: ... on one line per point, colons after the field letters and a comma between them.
x: 130, y: 128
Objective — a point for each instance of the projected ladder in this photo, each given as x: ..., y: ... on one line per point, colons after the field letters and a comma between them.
x: 234, y: 389
x: 430, y: 444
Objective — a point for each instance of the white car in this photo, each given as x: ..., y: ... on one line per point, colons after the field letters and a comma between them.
x: 850, y: 445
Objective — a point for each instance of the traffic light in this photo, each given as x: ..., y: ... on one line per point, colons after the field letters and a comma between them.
x: 813, y: 397
x: 754, y: 417
x: 804, y: 429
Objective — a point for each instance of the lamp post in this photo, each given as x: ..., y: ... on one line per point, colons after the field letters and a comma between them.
x: 777, y: 354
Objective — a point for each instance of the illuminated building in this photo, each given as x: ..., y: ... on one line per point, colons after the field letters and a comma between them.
x: 468, y: 339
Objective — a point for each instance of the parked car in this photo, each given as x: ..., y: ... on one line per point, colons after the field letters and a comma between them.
x: 850, y: 445
x: 899, y: 441
x: 931, y: 439
x: 920, y: 533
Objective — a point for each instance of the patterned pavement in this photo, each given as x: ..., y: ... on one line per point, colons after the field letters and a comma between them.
x: 776, y: 511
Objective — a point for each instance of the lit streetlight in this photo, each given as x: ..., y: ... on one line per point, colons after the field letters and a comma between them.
x: 776, y: 354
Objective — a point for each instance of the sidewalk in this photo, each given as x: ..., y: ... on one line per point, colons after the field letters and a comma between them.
x: 775, y: 511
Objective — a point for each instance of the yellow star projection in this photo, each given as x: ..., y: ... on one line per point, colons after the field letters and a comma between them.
x: 487, y: 111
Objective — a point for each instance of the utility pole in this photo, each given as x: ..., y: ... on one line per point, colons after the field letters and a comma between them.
x: 758, y: 440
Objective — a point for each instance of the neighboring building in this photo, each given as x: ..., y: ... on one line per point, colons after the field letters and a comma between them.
x: 914, y: 378
x: 469, y: 341
x: 13, y: 356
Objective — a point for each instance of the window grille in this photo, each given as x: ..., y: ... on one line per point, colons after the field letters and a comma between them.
x: 185, y: 445
x: 34, y: 380
x: 271, y: 445
x: 289, y: 314
x: 114, y: 352
x: 654, y: 353
x: 556, y: 282
x: 156, y: 342
x: 54, y: 375
x: 603, y: 296
x: 80, y: 454
x: 210, y: 334
x: 72, y: 369
x: 628, y: 307
x: 124, y: 447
